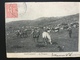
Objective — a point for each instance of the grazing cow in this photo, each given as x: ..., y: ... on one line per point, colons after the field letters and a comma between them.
x: 18, y: 33
x: 75, y: 25
x: 65, y: 27
x: 46, y: 36
x: 53, y: 29
x: 49, y: 31
x: 61, y: 28
x: 29, y: 31
x: 56, y: 29
x: 25, y: 33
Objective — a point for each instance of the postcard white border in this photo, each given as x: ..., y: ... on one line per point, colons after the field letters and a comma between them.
x: 47, y: 54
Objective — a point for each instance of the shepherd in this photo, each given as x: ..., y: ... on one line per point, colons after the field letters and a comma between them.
x: 46, y: 36
x: 36, y: 34
x: 70, y: 32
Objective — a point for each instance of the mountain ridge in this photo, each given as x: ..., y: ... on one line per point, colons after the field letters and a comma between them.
x: 43, y: 21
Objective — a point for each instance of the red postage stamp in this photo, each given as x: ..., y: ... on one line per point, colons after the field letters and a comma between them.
x: 11, y: 10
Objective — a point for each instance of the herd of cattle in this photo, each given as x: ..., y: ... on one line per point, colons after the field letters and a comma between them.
x: 25, y: 32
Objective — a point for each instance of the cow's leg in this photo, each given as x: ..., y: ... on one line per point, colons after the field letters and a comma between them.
x: 44, y: 39
x: 34, y: 39
x: 58, y: 30
x: 70, y: 35
x: 26, y: 35
x: 21, y: 35
x: 50, y: 41
x: 17, y: 35
x: 47, y: 41
x: 37, y: 39
x: 49, y: 38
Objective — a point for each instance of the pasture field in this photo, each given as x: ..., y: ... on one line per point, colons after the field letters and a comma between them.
x: 61, y: 43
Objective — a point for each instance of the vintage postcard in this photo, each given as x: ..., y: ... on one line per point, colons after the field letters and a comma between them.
x: 42, y: 29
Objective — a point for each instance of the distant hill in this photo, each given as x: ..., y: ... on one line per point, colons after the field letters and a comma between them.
x: 44, y: 21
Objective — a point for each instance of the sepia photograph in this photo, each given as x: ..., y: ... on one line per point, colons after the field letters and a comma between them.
x: 41, y: 27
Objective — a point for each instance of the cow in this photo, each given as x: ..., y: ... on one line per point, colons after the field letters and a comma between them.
x: 56, y: 29
x: 18, y: 33
x: 46, y: 36
x: 25, y: 33
x: 75, y: 25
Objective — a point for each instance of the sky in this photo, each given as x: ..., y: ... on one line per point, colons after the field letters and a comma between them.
x: 34, y: 10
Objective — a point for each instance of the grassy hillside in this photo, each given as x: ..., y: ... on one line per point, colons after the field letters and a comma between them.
x: 60, y: 41
x: 43, y: 21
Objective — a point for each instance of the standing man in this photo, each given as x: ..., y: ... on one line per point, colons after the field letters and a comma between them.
x: 25, y: 33
x: 36, y: 35
x: 70, y: 32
